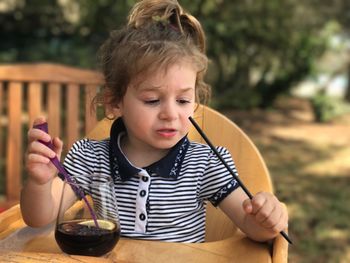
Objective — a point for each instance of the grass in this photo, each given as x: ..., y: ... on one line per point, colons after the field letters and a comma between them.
x: 319, y: 212
x: 310, y: 167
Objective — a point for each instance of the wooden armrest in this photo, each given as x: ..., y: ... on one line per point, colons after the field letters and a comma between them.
x: 9, y: 216
x: 280, y: 248
x: 10, y: 221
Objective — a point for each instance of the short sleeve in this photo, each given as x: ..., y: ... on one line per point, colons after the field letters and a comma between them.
x: 217, y: 182
x: 80, y: 159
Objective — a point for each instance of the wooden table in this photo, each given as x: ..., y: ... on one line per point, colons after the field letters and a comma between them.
x: 20, y: 243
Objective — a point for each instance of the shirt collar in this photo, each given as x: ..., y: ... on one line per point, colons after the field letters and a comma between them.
x: 167, y: 167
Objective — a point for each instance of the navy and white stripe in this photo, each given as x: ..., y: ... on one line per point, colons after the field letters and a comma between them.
x: 161, y: 207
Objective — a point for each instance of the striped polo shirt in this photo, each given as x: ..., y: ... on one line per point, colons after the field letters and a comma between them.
x: 166, y: 200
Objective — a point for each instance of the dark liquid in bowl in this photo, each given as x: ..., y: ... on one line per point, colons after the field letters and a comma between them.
x: 79, y: 239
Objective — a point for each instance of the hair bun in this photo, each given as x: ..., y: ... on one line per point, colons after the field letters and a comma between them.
x: 167, y: 12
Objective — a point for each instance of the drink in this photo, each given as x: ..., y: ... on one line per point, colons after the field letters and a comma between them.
x: 90, y: 226
x: 82, y: 237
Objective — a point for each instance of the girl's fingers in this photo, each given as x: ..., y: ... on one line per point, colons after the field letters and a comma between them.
x: 39, y: 120
x: 36, y: 134
x: 37, y: 158
x: 258, y: 202
x: 273, y: 219
x: 247, y: 206
x: 267, y: 211
x: 39, y: 148
x: 266, y: 214
x: 281, y: 224
x: 254, y: 205
x: 58, y: 146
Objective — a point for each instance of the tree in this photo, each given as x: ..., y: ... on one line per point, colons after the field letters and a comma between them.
x: 259, y: 49
x: 338, y: 11
x: 33, y: 29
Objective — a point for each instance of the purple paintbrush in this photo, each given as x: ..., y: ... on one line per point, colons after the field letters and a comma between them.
x: 62, y: 170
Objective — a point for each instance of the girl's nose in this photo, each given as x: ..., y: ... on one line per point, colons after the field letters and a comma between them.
x: 168, y: 111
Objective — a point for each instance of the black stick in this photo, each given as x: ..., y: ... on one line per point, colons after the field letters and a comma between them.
x: 229, y: 169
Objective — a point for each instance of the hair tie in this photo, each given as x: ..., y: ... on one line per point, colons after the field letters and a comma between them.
x: 163, y: 20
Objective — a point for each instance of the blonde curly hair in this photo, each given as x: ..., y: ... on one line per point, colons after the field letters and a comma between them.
x: 159, y: 33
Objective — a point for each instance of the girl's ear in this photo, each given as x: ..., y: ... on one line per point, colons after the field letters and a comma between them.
x: 116, y: 112
x: 118, y: 107
x: 112, y: 112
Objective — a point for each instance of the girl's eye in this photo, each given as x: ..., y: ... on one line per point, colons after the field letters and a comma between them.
x: 151, y: 102
x: 183, y: 101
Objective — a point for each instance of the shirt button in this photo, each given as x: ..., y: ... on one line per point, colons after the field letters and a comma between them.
x: 142, y: 193
x: 145, y: 179
x: 142, y: 217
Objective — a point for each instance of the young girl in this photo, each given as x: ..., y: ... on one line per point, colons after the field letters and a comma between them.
x: 154, y: 69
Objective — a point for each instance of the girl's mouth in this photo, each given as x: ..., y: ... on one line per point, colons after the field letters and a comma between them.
x: 166, y: 133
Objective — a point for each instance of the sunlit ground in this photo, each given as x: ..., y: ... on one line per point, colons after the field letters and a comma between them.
x: 310, y: 167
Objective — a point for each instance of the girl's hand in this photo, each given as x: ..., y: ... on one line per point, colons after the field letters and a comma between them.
x: 267, y: 212
x: 37, y: 157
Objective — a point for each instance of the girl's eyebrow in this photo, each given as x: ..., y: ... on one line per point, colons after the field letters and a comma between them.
x: 148, y: 88
x: 187, y: 89
x: 156, y: 88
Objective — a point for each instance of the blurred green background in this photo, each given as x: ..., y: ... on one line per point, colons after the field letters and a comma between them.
x: 279, y: 68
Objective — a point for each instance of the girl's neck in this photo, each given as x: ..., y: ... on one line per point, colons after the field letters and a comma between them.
x: 141, y: 156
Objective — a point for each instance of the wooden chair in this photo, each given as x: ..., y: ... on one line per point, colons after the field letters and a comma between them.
x: 60, y: 93
x: 220, y: 231
x: 250, y: 165
x: 38, y: 89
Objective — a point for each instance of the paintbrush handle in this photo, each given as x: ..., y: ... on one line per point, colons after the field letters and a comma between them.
x: 229, y: 168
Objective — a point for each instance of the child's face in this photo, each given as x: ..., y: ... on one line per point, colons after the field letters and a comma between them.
x: 156, y: 111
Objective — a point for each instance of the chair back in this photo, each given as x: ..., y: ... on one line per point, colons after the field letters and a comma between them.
x: 221, y: 131
x: 61, y: 93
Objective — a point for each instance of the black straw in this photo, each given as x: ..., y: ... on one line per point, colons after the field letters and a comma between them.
x: 229, y: 169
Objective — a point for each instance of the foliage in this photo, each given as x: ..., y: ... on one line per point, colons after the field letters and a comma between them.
x: 326, y: 108
x: 337, y: 10
x: 257, y: 49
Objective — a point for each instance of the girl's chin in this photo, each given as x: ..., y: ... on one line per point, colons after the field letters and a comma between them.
x: 164, y: 145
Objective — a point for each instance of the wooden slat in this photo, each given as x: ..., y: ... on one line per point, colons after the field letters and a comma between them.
x: 34, y: 101
x: 1, y: 97
x: 1, y: 109
x: 54, y: 109
x: 56, y: 77
x: 90, y: 115
x: 73, y: 114
x: 46, y: 72
x: 14, y: 149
